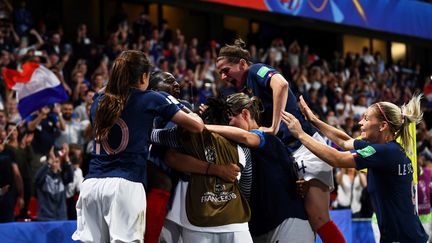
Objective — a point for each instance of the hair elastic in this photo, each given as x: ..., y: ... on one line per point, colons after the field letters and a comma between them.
x: 404, y: 117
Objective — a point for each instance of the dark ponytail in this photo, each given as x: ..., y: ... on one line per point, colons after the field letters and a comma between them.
x: 127, y: 72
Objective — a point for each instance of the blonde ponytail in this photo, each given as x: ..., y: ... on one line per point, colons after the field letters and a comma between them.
x: 410, y: 113
x: 399, y: 119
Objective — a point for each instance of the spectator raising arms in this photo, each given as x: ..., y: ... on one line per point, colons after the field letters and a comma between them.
x: 51, y: 182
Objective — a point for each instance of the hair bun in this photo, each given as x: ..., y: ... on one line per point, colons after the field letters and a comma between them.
x: 240, y: 43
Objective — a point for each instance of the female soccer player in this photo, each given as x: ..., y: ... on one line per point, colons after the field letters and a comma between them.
x: 278, y: 212
x: 265, y: 82
x: 112, y: 203
x: 390, y: 171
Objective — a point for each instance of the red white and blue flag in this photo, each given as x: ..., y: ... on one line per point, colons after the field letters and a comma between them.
x: 35, y: 86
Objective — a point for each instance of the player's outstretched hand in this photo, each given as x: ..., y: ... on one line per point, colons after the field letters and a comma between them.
x: 292, y: 123
x: 307, y: 112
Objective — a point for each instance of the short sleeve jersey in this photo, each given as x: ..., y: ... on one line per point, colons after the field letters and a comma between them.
x: 124, y: 153
x: 159, y: 121
x: 390, y: 175
x: 157, y: 152
x: 258, y: 82
x: 273, y: 186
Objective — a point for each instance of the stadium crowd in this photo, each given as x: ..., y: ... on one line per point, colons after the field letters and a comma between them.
x: 45, y: 155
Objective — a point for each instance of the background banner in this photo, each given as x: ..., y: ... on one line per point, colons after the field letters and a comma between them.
x: 411, y: 18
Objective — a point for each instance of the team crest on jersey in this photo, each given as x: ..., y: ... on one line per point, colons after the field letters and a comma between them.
x: 366, y: 152
x: 210, y: 154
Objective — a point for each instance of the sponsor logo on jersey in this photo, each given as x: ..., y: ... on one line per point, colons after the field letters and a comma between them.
x: 263, y: 71
x: 366, y: 152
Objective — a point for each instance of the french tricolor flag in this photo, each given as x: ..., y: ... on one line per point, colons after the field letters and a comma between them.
x: 35, y: 86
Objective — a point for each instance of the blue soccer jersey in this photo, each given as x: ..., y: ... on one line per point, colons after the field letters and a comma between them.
x: 390, y: 175
x: 258, y: 82
x: 157, y: 152
x: 160, y: 121
x: 273, y: 196
x: 124, y: 153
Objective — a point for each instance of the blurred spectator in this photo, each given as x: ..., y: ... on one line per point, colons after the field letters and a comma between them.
x: 25, y: 47
x: 350, y: 186
x: 301, y: 84
x: 423, y: 188
x: 74, y: 187
x: 12, y: 111
x: 165, y: 32
x: 294, y: 55
x: 254, y: 53
x: 98, y: 82
x: 119, y: 17
x: 80, y: 87
x: 205, y: 91
x: 304, y: 56
x: 349, y: 125
x: 11, y: 184
x: 19, y: 142
x: 142, y: 26
x: 367, y: 57
x: 323, y: 107
x: 72, y: 132
x: 5, y: 10
x: 102, y: 67
x: 46, y: 125
x: 9, y: 40
x: 360, y: 107
x: 332, y: 119
x: 315, y: 78
x: 380, y: 65
x: 427, y: 90
x: 54, y: 45
x: 3, y: 119
x: 23, y: 19
x: 80, y: 111
x: 51, y: 181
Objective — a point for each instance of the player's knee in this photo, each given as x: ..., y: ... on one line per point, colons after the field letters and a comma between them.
x: 317, y: 220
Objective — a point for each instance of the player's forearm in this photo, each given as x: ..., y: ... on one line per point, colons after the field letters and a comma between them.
x: 328, y: 154
x: 236, y: 134
x: 280, y: 95
x: 337, y: 136
x: 185, y: 163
